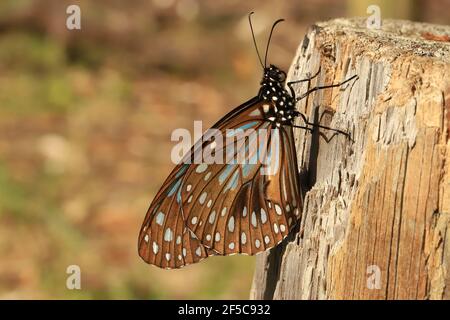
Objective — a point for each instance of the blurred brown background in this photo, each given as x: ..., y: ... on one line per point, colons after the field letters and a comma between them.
x: 85, y: 123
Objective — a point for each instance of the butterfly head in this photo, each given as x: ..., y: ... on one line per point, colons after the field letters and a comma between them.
x: 274, y: 75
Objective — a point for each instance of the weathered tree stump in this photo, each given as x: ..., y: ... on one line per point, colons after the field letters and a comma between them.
x: 376, y: 215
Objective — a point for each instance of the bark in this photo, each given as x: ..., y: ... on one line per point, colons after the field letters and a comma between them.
x: 376, y: 213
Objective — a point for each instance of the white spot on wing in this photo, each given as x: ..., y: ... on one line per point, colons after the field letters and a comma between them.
x: 146, y: 238
x: 224, y: 211
x: 217, y: 237
x: 178, y: 239
x: 209, y: 203
x: 231, y: 224
x: 184, y: 252
x: 263, y: 216
x: 167, y: 256
x: 231, y: 245
x: 208, y: 237
x: 194, y: 220
x: 244, y: 212
x: 202, y: 197
x: 275, y: 228
x: 155, y: 247
x: 201, y: 168
x: 282, y: 228
x: 278, y: 209
x: 257, y: 243
x: 168, y: 235
x: 160, y: 218
x: 243, y: 238
x: 254, y: 222
x: 198, y: 251
x: 212, y: 217
x: 266, y: 239
x: 188, y: 187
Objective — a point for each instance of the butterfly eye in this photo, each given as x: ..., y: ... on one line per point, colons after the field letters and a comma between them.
x: 273, y: 74
x: 276, y: 74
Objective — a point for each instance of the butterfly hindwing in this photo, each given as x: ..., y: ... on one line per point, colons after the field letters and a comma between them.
x: 164, y: 239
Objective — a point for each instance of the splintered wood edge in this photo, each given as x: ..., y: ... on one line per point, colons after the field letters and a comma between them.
x: 401, y: 36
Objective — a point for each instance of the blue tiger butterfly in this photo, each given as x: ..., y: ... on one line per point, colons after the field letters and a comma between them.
x: 205, y: 209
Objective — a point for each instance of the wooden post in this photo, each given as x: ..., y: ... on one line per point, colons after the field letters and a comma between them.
x: 376, y: 214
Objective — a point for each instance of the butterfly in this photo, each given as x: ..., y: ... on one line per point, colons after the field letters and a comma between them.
x: 235, y: 207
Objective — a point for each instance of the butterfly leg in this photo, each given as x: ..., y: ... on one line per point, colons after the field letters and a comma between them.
x: 300, y: 127
x: 327, y: 139
x: 304, y: 95
x: 307, y: 123
x: 296, y: 113
x: 290, y: 83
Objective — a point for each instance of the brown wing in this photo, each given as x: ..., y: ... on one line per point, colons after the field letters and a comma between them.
x: 164, y: 240
x: 235, y: 208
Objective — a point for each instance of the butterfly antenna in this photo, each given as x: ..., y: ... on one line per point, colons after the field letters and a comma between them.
x: 253, y: 36
x: 270, y: 37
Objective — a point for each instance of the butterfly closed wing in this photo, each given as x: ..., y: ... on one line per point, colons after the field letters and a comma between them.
x: 246, y: 203
x: 230, y: 207
x: 235, y: 207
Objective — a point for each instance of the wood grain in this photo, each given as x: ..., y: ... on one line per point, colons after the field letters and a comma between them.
x: 380, y: 201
